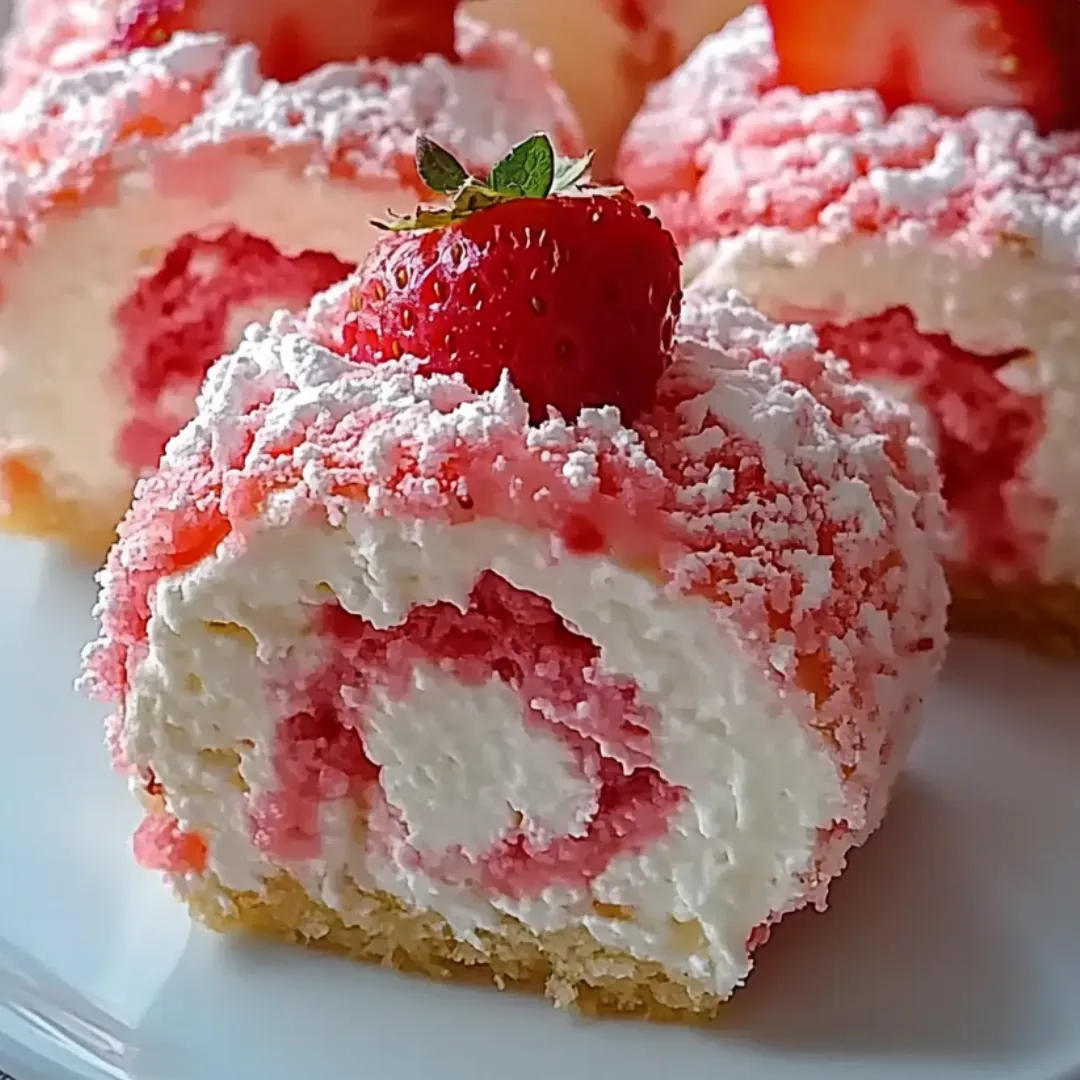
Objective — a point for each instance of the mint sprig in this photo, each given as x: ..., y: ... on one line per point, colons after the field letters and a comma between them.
x: 528, y: 171
x: 531, y: 170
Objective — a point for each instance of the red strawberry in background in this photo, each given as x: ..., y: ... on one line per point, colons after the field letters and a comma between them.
x: 572, y: 289
x: 297, y: 36
x: 654, y: 52
x: 955, y: 55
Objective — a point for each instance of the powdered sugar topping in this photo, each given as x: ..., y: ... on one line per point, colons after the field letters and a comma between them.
x: 720, y: 148
x: 74, y: 133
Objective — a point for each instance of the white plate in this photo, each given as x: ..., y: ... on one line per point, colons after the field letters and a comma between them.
x: 952, y: 948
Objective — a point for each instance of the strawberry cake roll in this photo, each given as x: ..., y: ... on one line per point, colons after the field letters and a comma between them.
x: 481, y: 622
x: 606, y: 53
x: 155, y: 200
x: 928, y: 225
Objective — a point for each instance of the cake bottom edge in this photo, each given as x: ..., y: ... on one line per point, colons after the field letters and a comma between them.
x: 29, y: 507
x: 1044, y: 617
x: 569, y: 967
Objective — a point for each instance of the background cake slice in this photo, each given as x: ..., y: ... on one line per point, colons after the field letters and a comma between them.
x: 155, y: 200
x: 933, y: 243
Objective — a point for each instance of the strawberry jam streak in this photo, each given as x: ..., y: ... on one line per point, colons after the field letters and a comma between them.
x: 517, y: 637
x: 182, y: 318
x: 985, y: 430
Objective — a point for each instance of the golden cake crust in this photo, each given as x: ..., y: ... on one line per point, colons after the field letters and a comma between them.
x: 568, y: 966
x: 1043, y: 617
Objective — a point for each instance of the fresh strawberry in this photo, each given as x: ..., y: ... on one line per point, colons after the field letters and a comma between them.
x: 571, y: 289
x: 297, y: 36
x: 955, y: 55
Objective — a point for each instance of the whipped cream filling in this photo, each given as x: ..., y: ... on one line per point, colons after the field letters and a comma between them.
x: 448, y: 795
x: 458, y: 763
x: 59, y: 392
x: 985, y: 302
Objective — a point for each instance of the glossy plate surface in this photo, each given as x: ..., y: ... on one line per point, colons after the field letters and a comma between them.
x: 952, y: 948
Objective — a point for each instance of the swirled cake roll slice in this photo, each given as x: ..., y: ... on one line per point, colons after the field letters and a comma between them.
x: 410, y: 665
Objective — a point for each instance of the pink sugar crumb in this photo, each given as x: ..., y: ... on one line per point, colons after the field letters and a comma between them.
x: 517, y: 637
x: 179, y: 320
x: 160, y: 540
x: 985, y: 430
x: 720, y: 148
x: 51, y: 34
x: 759, y: 936
x: 160, y: 844
x: 114, y: 740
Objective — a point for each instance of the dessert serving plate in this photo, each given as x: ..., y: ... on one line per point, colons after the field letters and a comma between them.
x: 950, y: 950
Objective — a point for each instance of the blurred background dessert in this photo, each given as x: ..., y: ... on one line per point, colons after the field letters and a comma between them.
x: 607, y: 52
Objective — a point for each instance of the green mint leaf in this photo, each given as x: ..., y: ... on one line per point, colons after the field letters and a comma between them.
x: 438, y: 168
x: 528, y: 171
x: 568, y: 171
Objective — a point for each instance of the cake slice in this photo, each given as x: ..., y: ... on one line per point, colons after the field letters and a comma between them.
x: 424, y: 652
x: 197, y: 172
x: 923, y: 217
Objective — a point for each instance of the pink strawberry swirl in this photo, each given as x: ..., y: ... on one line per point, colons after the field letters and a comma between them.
x: 506, y: 633
x: 194, y: 121
x: 799, y: 504
x: 723, y: 153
